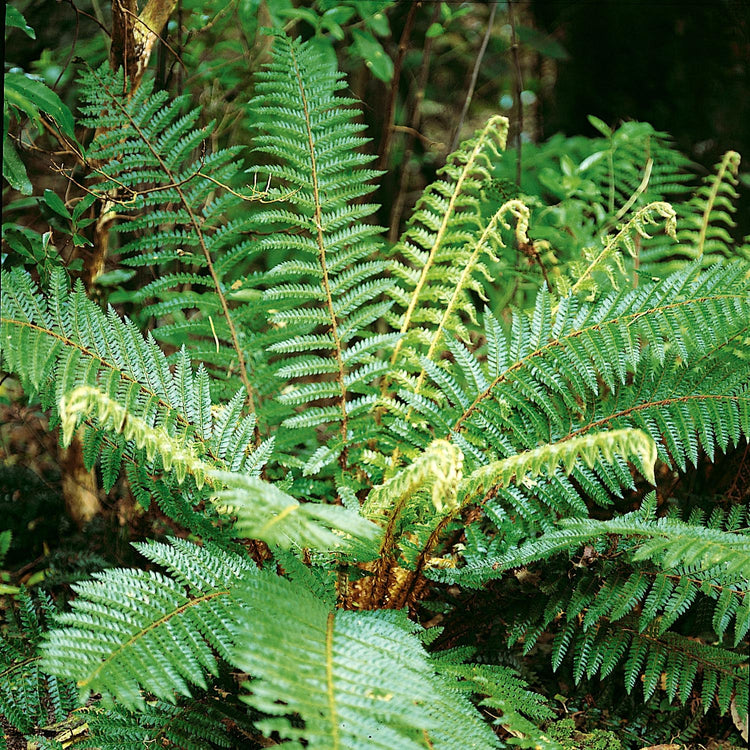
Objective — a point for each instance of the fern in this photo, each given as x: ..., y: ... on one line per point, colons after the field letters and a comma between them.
x: 122, y: 621
x: 190, y: 726
x: 29, y: 697
x: 329, y: 294
x: 601, y: 623
x: 357, y: 679
x: 146, y: 156
x: 443, y: 248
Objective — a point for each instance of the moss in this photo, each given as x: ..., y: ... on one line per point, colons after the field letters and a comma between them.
x: 564, y: 731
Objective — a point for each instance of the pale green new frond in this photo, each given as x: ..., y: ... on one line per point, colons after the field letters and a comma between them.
x: 263, y: 511
x: 442, y: 245
x: 608, y: 261
x: 546, y: 458
x: 353, y: 679
x: 437, y: 470
x: 177, y: 455
x: 134, y: 630
x: 704, y: 230
x: 66, y: 343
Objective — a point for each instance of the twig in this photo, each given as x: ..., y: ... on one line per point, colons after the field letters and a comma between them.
x: 414, y: 120
x: 412, y: 131
x: 518, y: 85
x: 403, y: 46
x: 474, y: 76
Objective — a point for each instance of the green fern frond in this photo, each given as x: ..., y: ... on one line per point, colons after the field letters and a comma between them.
x: 265, y: 512
x: 135, y: 630
x: 608, y: 261
x: 521, y: 709
x: 326, y: 298
x: 99, y: 368
x: 189, y: 725
x: 671, y: 660
x: 671, y: 543
x: 522, y: 393
x: 545, y: 459
x: 355, y: 679
x: 704, y: 230
x: 704, y: 405
x: 29, y: 698
x: 149, y: 170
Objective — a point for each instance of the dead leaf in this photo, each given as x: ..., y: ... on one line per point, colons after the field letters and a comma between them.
x: 739, y: 721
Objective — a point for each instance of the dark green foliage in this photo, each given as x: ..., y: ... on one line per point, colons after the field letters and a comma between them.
x: 570, y: 738
x: 189, y: 725
x: 29, y: 696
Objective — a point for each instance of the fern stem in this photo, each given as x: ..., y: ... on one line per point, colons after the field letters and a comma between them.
x: 322, y: 257
x: 651, y: 404
x: 201, y: 240
x: 330, y: 625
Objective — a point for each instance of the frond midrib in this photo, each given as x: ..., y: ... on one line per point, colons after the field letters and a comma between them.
x: 153, y: 625
x: 322, y: 255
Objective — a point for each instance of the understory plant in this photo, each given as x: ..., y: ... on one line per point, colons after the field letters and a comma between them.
x: 352, y: 443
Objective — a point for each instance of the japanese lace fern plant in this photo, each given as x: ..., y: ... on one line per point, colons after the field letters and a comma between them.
x: 396, y: 418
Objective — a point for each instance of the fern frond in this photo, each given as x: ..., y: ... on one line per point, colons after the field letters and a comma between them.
x: 189, y: 725
x: 134, y: 630
x: 545, y: 459
x: 442, y: 246
x: 328, y: 295
x: 672, y: 543
x: 522, y: 394
x: 29, y: 697
x: 608, y: 260
x: 263, y: 511
x: 175, y: 455
x: 704, y: 230
x: 145, y: 151
x: 355, y: 679
x: 671, y: 660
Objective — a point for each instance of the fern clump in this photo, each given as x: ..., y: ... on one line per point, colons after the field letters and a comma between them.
x: 341, y: 429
